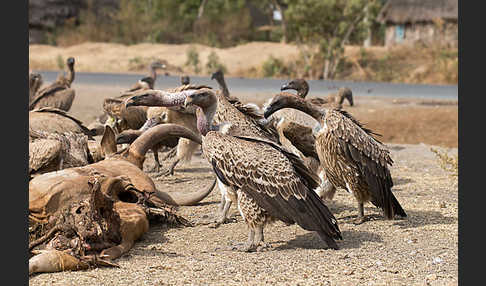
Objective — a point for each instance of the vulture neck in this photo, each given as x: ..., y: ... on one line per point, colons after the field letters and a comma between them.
x: 223, y: 87
x: 307, y: 107
x: 153, y: 73
x: 205, y: 118
x: 302, y: 92
x: 70, y: 75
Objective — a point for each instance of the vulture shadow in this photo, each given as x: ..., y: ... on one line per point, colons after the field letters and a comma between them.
x: 401, y: 181
x: 414, y: 218
x: 146, y: 245
x: 420, y: 218
x: 196, y: 170
x: 311, y: 240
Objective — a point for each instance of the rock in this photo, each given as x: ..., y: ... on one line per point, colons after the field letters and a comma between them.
x: 437, y: 260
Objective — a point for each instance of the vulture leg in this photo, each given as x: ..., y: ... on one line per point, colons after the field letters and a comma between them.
x: 255, y: 241
x: 156, y: 159
x: 259, y: 242
x: 221, y: 216
x: 361, y: 217
x: 248, y: 245
x: 170, y: 154
x: 170, y: 170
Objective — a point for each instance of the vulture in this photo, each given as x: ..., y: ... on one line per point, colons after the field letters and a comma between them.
x: 267, y: 182
x: 124, y: 118
x: 244, y: 118
x: 56, y: 151
x: 59, y: 94
x: 133, y: 117
x: 185, y: 80
x: 51, y: 119
x: 249, y: 109
x: 352, y: 158
x: 334, y: 99
x: 148, y: 82
x: 35, y: 82
x: 128, y: 136
x: 149, y: 98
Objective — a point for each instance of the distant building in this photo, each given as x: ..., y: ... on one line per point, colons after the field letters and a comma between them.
x: 427, y: 21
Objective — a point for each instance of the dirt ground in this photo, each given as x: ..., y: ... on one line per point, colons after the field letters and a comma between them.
x: 421, y: 249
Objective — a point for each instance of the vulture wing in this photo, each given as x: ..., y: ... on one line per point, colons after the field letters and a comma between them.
x: 48, y: 90
x: 368, y: 155
x: 277, y: 180
x: 42, y: 152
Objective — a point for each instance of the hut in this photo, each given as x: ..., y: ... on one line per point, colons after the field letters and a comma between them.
x: 411, y: 21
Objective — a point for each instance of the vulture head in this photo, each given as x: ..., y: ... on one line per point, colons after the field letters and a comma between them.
x: 217, y: 75
x: 300, y: 85
x: 70, y: 62
x: 345, y: 93
x: 147, y: 97
x: 185, y: 80
x: 281, y: 101
x: 203, y: 98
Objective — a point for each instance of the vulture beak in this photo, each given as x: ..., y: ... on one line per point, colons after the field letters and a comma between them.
x: 133, y: 101
x: 188, y: 101
x: 269, y: 110
x: 213, y: 75
x: 285, y: 86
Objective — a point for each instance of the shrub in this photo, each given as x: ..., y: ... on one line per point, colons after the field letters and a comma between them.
x: 214, y: 64
x: 273, y: 67
x: 60, y: 62
x: 193, y: 59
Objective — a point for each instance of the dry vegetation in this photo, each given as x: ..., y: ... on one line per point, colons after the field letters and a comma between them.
x: 431, y: 65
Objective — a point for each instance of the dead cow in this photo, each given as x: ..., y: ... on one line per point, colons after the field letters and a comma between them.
x: 122, y: 180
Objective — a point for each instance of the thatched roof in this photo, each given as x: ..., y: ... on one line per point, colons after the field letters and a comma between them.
x: 409, y: 11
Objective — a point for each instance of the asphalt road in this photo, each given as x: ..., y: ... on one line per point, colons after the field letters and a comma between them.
x: 271, y: 86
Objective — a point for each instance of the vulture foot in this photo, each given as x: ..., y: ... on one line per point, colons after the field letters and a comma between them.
x: 361, y: 219
x: 222, y: 220
x: 251, y: 247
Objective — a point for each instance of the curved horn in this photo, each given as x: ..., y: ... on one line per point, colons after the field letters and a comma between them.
x: 156, y: 134
x: 185, y: 199
x: 128, y: 136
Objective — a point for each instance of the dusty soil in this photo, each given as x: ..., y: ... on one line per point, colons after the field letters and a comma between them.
x: 419, y: 250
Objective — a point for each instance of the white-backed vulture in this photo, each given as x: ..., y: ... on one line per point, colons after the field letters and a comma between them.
x: 124, y: 117
x: 50, y: 119
x: 133, y: 117
x: 349, y: 154
x: 148, y: 82
x: 267, y: 182
x: 332, y: 100
x: 53, y: 151
x: 249, y: 109
x: 35, y: 82
x: 128, y: 136
x: 185, y: 80
x: 172, y: 114
x: 239, y: 117
x: 59, y: 94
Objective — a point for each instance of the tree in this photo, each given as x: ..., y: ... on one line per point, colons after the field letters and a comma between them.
x: 327, y: 24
